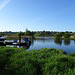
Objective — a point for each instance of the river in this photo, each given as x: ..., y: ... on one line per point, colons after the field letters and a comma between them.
x: 48, y: 42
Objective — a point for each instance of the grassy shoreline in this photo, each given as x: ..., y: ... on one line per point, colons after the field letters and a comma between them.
x: 18, y: 61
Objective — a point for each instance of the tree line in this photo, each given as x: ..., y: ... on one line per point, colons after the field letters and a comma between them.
x: 39, y: 33
x: 65, y: 35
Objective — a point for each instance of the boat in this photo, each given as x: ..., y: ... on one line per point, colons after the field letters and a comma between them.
x: 2, y: 38
x: 25, y: 41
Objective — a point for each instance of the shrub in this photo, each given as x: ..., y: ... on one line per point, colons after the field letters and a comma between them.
x: 17, y: 61
x: 58, y: 35
x: 67, y: 35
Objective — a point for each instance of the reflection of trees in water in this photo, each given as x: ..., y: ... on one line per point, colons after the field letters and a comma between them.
x: 58, y: 41
x: 40, y: 40
x: 32, y: 42
x: 44, y: 40
x: 67, y: 42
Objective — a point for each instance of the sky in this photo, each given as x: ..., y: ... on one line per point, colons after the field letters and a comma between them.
x: 37, y: 15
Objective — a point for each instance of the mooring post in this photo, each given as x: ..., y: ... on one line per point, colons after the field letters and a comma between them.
x: 20, y: 38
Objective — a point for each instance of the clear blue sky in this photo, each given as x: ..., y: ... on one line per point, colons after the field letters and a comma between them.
x: 37, y: 15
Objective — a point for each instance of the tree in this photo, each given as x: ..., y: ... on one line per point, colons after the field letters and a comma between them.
x: 2, y: 34
x: 58, y: 35
x: 67, y: 35
x: 22, y: 33
x: 28, y: 33
x: 43, y: 33
x: 74, y: 35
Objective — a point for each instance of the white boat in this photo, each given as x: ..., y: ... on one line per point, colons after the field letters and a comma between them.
x: 2, y: 38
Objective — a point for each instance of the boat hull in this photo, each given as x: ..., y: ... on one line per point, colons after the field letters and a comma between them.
x: 2, y: 39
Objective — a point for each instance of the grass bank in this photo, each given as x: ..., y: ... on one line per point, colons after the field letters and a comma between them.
x: 17, y: 61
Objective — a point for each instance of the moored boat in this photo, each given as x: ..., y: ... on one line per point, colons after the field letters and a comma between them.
x: 25, y: 41
x: 2, y: 38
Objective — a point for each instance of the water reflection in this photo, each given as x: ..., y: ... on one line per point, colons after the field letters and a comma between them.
x: 32, y: 42
x: 66, y: 42
x: 2, y: 44
x: 67, y: 45
x: 58, y: 41
x: 74, y: 41
x: 44, y: 40
x: 21, y: 46
x: 26, y: 47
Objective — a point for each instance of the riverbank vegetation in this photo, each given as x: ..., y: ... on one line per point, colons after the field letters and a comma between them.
x: 65, y: 36
x: 32, y: 34
x: 18, y: 61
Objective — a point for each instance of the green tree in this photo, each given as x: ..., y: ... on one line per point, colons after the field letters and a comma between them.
x: 36, y: 34
x: 16, y: 34
x: 27, y: 33
x: 74, y: 35
x: 2, y: 34
x: 43, y: 32
x: 67, y: 35
x: 58, y: 35
x: 22, y: 33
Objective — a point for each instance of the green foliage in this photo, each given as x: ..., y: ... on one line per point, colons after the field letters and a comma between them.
x: 42, y: 33
x: 5, y: 54
x: 22, y: 33
x: 37, y: 34
x: 2, y: 34
x: 29, y: 33
x: 15, y: 34
x: 58, y: 35
x: 17, y: 61
x: 67, y: 35
x: 74, y: 35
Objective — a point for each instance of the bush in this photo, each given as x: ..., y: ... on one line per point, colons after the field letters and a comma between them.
x: 58, y: 35
x: 67, y: 35
x: 17, y: 61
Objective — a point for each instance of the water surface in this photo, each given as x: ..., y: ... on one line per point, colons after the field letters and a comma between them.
x: 49, y: 42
